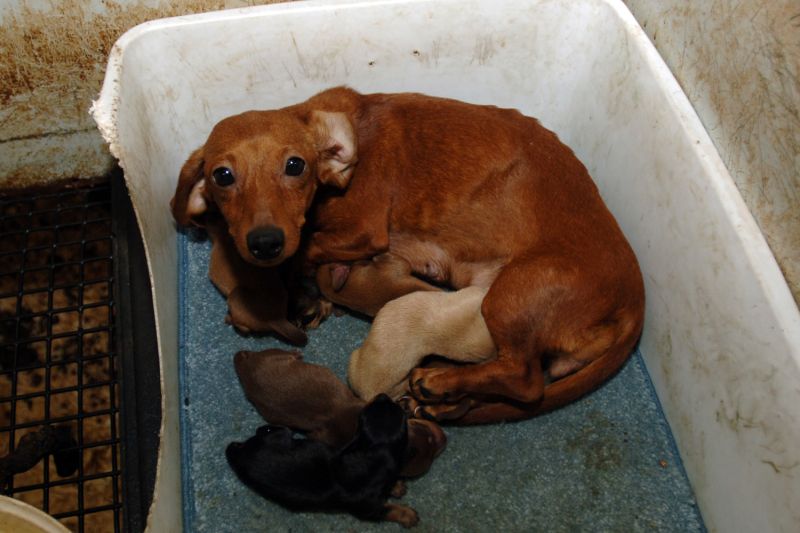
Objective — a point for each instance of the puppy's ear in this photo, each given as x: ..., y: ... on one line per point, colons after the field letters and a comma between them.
x: 337, y: 147
x: 190, y: 202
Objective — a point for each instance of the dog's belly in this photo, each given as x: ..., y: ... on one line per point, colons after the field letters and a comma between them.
x: 432, y: 261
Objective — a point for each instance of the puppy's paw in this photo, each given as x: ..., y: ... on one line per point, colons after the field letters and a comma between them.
x: 402, y: 514
x: 399, y: 489
x: 308, y: 308
x: 241, y: 328
x: 409, y: 404
x: 314, y: 314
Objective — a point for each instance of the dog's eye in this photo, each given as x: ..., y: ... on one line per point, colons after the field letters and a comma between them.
x: 295, y: 166
x: 223, y: 176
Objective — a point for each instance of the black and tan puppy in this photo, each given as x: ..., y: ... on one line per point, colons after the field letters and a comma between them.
x: 309, y: 475
x: 309, y: 398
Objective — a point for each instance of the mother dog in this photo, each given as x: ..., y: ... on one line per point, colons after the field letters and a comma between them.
x: 467, y: 195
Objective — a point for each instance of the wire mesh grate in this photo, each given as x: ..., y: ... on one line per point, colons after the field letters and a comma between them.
x: 58, y: 366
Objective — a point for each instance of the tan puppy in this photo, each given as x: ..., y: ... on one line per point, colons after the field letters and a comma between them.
x: 416, y: 325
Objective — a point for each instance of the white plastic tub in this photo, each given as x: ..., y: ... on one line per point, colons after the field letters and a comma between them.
x: 722, y: 333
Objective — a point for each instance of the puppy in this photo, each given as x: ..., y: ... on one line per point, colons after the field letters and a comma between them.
x: 468, y: 195
x: 408, y: 329
x: 309, y: 398
x: 365, y: 286
x: 309, y: 475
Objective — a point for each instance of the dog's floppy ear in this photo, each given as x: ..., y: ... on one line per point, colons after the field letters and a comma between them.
x: 190, y: 201
x: 337, y: 147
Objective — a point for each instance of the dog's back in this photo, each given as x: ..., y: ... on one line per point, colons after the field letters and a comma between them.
x: 287, y: 391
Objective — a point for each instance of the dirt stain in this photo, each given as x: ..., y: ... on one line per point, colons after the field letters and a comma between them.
x: 598, y: 444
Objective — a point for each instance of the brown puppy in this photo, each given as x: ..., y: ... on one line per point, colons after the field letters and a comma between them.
x: 287, y: 391
x: 416, y: 325
x: 468, y: 195
x: 365, y: 286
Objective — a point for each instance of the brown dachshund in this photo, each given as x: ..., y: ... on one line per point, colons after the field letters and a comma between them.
x: 287, y: 391
x: 467, y: 195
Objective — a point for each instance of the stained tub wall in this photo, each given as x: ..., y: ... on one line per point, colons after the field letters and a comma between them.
x: 739, y: 64
x: 54, y: 56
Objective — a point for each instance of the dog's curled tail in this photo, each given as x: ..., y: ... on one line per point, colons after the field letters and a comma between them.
x: 570, y: 388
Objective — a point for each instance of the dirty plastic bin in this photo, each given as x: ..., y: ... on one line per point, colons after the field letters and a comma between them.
x: 722, y: 332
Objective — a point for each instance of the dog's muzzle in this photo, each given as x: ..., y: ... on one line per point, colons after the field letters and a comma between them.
x: 265, y: 243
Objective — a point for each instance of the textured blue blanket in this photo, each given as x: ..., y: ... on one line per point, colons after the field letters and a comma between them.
x: 605, y: 463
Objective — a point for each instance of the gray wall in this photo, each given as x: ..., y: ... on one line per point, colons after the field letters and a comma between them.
x: 739, y: 63
x: 54, y: 56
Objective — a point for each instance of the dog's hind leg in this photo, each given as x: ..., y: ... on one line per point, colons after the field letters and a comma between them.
x: 514, y: 309
x: 536, y: 307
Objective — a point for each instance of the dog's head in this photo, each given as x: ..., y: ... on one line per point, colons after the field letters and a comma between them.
x: 291, y: 471
x: 260, y: 170
x: 382, y: 422
x: 414, y: 442
x: 250, y: 458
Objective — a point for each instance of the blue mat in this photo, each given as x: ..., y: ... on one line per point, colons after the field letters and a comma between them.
x: 605, y: 463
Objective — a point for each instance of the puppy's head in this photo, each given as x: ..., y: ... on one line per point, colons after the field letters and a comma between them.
x: 260, y: 170
x: 382, y: 422
x: 248, y: 459
x: 415, y: 442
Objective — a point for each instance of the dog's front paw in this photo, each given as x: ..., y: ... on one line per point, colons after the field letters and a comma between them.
x: 431, y: 385
x: 443, y: 412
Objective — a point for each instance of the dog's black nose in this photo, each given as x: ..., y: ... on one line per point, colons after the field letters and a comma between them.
x: 265, y: 243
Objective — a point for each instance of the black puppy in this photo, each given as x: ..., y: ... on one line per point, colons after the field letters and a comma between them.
x: 308, y: 475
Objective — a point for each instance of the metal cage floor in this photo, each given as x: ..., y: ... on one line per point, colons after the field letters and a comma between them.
x: 58, y: 363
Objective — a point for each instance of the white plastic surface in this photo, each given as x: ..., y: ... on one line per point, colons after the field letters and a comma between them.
x: 17, y: 516
x: 722, y: 332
